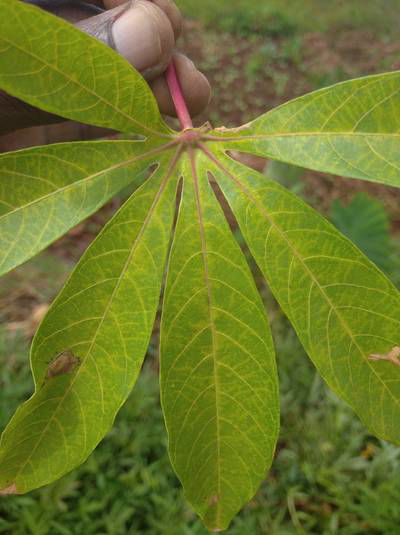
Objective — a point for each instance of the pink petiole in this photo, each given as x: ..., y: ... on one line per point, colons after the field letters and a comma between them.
x: 178, y: 98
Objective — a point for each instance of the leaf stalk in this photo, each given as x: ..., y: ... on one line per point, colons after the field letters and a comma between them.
x: 178, y: 98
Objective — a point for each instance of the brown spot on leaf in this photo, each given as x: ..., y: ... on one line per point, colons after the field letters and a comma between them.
x: 12, y: 489
x: 65, y: 362
x: 214, y: 499
x: 224, y: 129
x: 392, y: 356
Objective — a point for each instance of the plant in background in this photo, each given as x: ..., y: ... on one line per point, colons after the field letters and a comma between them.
x: 219, y: 384
x: 364, y: 220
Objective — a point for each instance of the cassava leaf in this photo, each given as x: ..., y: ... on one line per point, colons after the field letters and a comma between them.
x: 342, y: 307
x: 88, y: 350
x: 45, y: 191
x: 350, y: 129
x: 218, y: 376
x: 56, y: 67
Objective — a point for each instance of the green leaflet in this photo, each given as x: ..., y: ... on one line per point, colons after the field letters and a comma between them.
x: 342, y: 307
x: 45, y: 191
x: 56, y: 67
x: 88, y: 350
x: 218, y: 375
x: 350, y: 129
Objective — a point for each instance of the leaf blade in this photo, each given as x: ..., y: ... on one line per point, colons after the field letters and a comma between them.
x: 341, y: 306
x: 105, y: 326
x: 89, y: 81
x: 45, y: 191
x: 218, y: 373
x: 350, y: 129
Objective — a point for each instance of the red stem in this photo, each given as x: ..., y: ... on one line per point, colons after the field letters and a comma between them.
x: 178, y: 98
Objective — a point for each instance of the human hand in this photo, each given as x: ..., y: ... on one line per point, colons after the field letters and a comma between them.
x: 143, y: 31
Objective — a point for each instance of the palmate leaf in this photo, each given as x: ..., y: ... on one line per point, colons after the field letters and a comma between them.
x: 88, y: 351
x: 350, y: 129
x: 45, y: 191
x: 218, y: 377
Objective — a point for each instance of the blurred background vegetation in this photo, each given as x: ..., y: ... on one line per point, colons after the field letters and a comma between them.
x: 329, y: 476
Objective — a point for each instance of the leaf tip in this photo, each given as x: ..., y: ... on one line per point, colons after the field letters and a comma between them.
x: 12, y: 489
x: 214, y: 526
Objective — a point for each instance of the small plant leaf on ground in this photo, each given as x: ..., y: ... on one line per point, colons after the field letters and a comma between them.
x: 365, y: 221
x: 218, y: 376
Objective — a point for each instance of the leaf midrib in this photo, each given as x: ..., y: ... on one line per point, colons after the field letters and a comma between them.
x: 316, y: 96
x: 207, y: 283
x: 304, y: 133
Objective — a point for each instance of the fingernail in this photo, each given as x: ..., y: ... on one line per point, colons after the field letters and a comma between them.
x: 137, y: 38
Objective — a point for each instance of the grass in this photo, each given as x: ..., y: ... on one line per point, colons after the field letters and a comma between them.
x: 286, y: 17
x: 329, y: 476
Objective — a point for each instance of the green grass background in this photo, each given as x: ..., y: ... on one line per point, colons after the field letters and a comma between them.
x: 278, y: 16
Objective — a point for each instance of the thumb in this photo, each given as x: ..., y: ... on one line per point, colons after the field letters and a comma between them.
x: 138, y: 30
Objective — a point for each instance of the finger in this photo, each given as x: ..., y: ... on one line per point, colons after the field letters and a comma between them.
x: 140, y: 31
x: 173, y: 13
x: 109, y: 4
x: 168, y: 6
x: 16, y: 114
x: 161, y: 15
x: 195, y: 87
x: 68, y: 9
